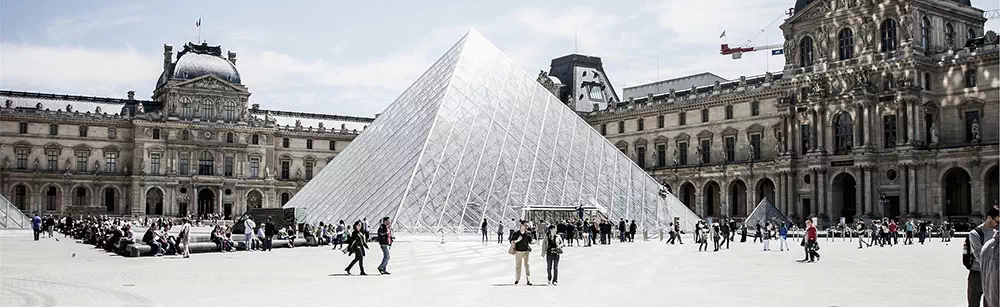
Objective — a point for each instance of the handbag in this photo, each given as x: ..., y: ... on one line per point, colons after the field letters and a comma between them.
x: 511, y: 249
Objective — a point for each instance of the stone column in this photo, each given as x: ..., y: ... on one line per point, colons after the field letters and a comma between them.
x: 813, y: 131
x: 858, y: 124
x: 219, y: 202
x: 814, y: 208
x: 859, y: 189
x: 911, y: 183
x: 872, y: 117
x: 779, y: 193
x: 904, y: 190
x: 911, y: 121
x: 824, y: 186
x: 900, y: 123
x: 869, y: 188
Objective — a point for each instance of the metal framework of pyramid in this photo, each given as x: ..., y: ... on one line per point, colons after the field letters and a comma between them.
x: 476, y: 137
x: 766, y: 212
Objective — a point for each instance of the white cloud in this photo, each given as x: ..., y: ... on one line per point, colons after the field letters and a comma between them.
x: 77, y: 70
x: 78, y: 26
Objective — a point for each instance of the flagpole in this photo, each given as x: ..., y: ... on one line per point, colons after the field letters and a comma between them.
x: 199, y: 28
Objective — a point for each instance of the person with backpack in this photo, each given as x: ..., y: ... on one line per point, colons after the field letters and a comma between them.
x: 553, y: 248
x: 972, y: 253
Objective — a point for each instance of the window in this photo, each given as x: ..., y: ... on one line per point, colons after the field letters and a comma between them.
x: 755, y: 146
x: 81, y: 160
x: 156, y: 133
x: 754, y: 108
x: 255, y: 139
x: 206, y: 110
x: 730, y: 149
x: 112, y: 133
x: 111, y: 161
x: 806, y: 51
x: 51, y: 196
x: 230, y: 111
x: 949, y: 35
x: 888, y: 30
x: 843, y: 134
x: 186, y: 110
x: 309, y: 169
x: 682, y: 118
x: 661, y: 155
x: 621, y: 127
x: 925, y: 33
x: 254, y: 167
x: 206, y: 164
x: 333, y: 145
x: 229, y: 137
x: 660, y: 123
x: 596, y: 93
x: 21, y: 197
x: 227, y: 164
x: 154, y: 164
x: 845, y: 40
x: 53, y: 129
x: 970, y: 78
x: 185, y: 135
x: 972, y: 125
x: 184, y: 165
x: 804, y: 135
x: 284, y: 142
x: 888, y: 82
x: 22, y: 128
x: 21, y: 155
x: 729, y: 111
x: 682, y: 153
x: 704, y: 115
x: 80, y: 196
x: 706, y: 151
x: 285, y: 169
x: 309, y: 144
x: 971, y: 34
x: 604, y: 129
x: 83, y: 131
x: 889, y: 131
x: 640, y: 156
x: 640, y: 124
x: 927, y: 81
x: 285, y: 197
x: 52, y: 156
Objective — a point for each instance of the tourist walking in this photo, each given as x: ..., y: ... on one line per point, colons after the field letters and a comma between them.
x: 338, y: 237
x: 990, y: 268
x: 909, y: 232
x: 486, y: 236
x: 269, y: 233
x: 715, y: 236
x: 767, y: 238
x: 702, y: 236
x: 743, y: 234
x: 36, y: 225
x: 553, y: 248
x: 974, y: 248
x: 248, y: 227
x: 520, y: 242
x: 631, y: 231
x: 725, y: 234
x: 758, y: 234
x: 810, y: 245
x: 385, y: 242
x: 732, y: 230
x: 356, y: 245
x: 783, y: 237
x: 184, y: 238
x: 499, y: 233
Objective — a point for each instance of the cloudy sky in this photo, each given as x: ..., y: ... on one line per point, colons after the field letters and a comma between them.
x: 355, y: 57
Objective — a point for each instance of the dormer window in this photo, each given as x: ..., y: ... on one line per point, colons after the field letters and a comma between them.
x: 596, y: 93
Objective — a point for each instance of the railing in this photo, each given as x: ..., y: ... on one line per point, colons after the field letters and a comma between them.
x: 11, y: 217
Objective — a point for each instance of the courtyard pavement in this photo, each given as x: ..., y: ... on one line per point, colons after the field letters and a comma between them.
x: 46, y: 273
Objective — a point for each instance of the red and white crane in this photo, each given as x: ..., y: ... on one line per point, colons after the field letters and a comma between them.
x: 737, y: 52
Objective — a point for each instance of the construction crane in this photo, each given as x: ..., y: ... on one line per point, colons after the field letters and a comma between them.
x: 991, y: 14
x: 737, y: 52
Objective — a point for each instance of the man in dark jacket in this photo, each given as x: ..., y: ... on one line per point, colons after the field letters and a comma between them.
x: 268, y: 234
x: 631, y: 231
x: 622, y: 232
x: 385, y: 241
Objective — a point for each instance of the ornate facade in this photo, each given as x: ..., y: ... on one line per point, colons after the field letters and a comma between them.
x: 198, y: 147
x: 884, y: 108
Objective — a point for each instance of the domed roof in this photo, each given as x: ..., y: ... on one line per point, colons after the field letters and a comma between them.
x: 199, y: 60
x: 555, y: 80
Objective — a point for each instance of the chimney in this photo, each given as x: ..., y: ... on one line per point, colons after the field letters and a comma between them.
x: 232, y: 57
x: 131, y: 95
x: 168, y: 54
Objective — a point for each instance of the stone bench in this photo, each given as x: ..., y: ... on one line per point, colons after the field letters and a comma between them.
x: 141, y: 249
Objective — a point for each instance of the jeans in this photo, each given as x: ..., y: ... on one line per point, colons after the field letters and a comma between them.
x: 37, y: 232
x: 249, y: 240
x: 499, y: 238
x: 268, y: 240
x: 783, y: 244
x: 552, y: 267
x: 360, y: 260
x: 385, y: 258
x: 186, y: 242
x: 975, y: 288
x: 521, y: 258
x: 486, y: 237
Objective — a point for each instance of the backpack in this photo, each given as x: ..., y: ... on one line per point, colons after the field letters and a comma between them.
x: 967, y: 249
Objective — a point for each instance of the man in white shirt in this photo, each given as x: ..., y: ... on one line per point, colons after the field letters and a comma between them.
x: 248, y: 226
x: 184, y: 238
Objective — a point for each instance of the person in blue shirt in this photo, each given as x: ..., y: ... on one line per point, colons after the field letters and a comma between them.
x: 783, y: 234
x: 36, y: 225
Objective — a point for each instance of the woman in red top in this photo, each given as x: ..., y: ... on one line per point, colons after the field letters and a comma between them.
x: 810, y: 243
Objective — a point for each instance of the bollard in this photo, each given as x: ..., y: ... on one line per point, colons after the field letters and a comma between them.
x: 645, y: 235
x: 661, y: 234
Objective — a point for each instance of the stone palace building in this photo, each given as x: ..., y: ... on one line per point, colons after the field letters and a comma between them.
x: 884, y: 109
x: 198, y: 147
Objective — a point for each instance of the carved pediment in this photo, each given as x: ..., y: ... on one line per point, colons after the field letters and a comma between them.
x: 641, y: 142
x: 756, y: 128
x: 111, y: 148
x: 53, y: 146
x: 621, y: 144
x: 727, y: 131
x: 210, y: 82
x: 660, y: 139
x: 705, y: 134
x: 82, y: 147
x: 682, y: 137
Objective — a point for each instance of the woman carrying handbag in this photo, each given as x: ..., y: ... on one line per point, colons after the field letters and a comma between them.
x: 520, y: 247
x: 356, y: 244
x: 553, y: 248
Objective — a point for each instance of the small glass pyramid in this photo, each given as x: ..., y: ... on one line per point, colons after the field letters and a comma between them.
x: 476, y: 137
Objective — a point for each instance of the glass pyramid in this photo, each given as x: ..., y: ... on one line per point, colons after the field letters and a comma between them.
x: 477, y: 137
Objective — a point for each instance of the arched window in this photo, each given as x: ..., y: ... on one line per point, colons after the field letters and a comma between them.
x: 156, y: 133
x: 229, y: 137
x: 80, y: 196
x: 186, y: 110
x: 846, y: 44
x: 230, y: 111
x: 206, y: 109
x: 806, y: 51
x: 21, y: 197
x: 205, y: 163
x: 844, y: 133
x: 949, y: 35
x: 925, y: 33
x: 255, y: 139
x: 971, y: 33
x: 888, y: 30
